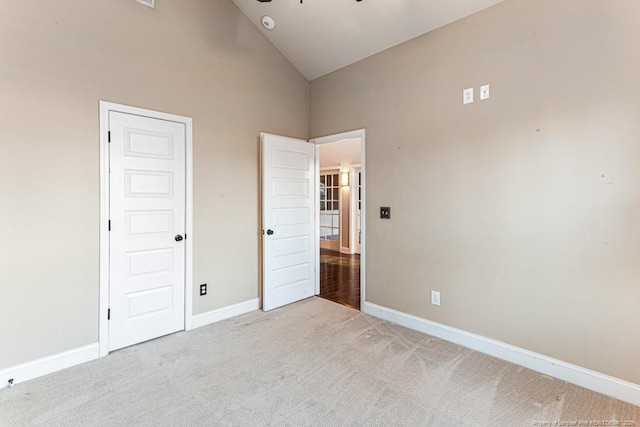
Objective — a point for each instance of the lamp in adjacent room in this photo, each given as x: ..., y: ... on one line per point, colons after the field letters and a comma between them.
x: 344, y: 179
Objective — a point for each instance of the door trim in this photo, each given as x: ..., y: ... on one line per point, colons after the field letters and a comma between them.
x: 354, y: 246
x: 105, y: 108
x: 358, y: 133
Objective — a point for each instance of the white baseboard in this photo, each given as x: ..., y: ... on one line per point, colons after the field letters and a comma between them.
x: 223, y: 313
x: 592, y: 380
x: 47, y: 365
x: 57, y: 362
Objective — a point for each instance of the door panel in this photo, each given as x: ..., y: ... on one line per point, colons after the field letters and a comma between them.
x: 288, y: 180
x: 148, y: 223
x: 148, y: 204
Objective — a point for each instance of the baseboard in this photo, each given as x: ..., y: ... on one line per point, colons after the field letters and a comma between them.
x: 223, y: 313
x: 57, y: 362
x: 48, y: 365
x: 583, y: 377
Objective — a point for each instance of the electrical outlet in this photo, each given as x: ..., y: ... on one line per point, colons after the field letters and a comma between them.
x: 385, y: 212
x: 484, y: 92
x: 435, y: 298
x: 203, y: 289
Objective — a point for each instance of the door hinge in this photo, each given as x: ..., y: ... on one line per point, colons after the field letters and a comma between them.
x: 109, y: 136
x: 109, y: 225
x: 109, y: 314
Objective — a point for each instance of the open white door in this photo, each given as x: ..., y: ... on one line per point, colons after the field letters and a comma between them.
x: 288, y: 220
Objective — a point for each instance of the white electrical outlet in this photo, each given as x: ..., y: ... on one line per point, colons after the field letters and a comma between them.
x: 435, y: 298
x: 484, y: 92
x: 467, y: 96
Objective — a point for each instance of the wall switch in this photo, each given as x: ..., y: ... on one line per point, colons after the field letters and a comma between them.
x: 435, y: 298
x: 203, y: 289
x: 385, y: 213
x: 467, y: 96
x: 484, y: 92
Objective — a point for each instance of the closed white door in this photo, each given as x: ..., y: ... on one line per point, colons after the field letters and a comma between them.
x: 147, y: 214
x: 288, y: 220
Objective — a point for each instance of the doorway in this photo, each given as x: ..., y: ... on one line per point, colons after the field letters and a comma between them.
x: 145, y: 227
x: 340, y: 213
x: 340, y: 278
x: 291, y: 227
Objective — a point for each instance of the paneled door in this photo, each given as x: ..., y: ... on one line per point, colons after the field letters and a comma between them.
x: 147, y: 219
x: 288, y: 220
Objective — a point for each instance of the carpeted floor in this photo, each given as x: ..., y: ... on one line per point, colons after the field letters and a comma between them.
x: 311, y: 363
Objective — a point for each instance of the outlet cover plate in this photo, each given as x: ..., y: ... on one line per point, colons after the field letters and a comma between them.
x: 435, y: 298
x: 484, y: 92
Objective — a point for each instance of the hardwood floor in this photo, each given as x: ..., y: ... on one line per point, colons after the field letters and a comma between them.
x: 340, y: 278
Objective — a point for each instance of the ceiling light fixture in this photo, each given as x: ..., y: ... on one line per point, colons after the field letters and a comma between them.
x: 268, y: 22
x: 269, y: 1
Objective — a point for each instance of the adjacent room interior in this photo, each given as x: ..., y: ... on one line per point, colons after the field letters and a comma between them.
x: 501, y: 207
x: 340, y: 220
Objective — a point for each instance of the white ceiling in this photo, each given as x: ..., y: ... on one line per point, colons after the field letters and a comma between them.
x: 321, y: 36
x: 341, y: 153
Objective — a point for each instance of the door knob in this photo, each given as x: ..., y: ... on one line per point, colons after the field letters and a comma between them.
x: 178, y: 238
x: 269, y: 232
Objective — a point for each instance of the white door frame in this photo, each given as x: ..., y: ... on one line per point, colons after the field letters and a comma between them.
x: 105, y: 108
x: 354, y: 246
x: 358, y: 133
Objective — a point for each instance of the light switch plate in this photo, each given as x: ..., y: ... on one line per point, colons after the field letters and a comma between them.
x: 467, y: 96
x: 385, y: 212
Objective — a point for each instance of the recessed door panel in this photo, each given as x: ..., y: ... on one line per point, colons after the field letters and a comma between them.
x: 290, y: 246
x: 148, y: 223
x: 291, y: 275
x: 150, y: 262
x: 291, y: 216
x: 290, y: 188
x: 290, y: 159
x: 149, y: 302
x: 148, y: 183
x: 139, y: 143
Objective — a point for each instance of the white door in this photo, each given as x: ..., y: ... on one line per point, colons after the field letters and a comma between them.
x: 288, y: 220
x: 147, y: 214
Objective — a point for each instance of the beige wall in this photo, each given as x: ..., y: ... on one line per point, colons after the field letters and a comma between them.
x: 198, y: 58
x: 523, y: 210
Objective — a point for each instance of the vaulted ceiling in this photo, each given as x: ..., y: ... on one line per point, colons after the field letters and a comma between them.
x: 321, y: 36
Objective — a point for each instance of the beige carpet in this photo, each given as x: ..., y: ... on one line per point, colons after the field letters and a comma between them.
x: 310, y: 363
